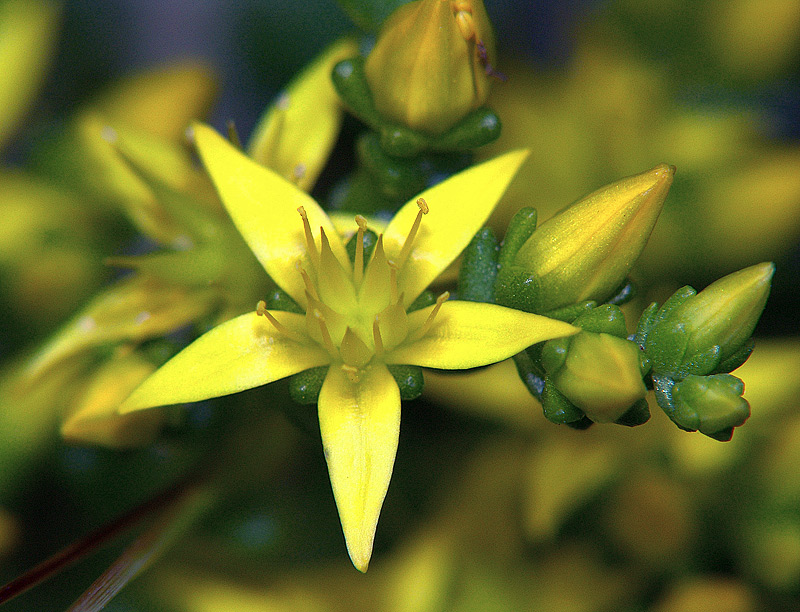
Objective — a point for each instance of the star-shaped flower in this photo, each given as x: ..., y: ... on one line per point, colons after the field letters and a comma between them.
x: 356, y: 317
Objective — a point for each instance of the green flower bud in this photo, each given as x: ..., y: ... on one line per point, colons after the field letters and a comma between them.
x: 428, y: 68
x: 586, y: 251
x: 598, y: 370
x: 712, y: 405
x: 709, y: 331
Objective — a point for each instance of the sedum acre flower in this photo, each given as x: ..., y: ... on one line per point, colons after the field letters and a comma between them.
x: 355, y: 320
x: 429, y: 66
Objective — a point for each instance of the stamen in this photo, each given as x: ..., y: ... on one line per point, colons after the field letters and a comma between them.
x: 310, y: 289
x: 412, y: 234
x: 326, y: 337
x: 358, y: 264
x: 429, y: 321
x: 261, y: 310
x: 353, y: 373
x: 376, y: 337
x: 311, y: 247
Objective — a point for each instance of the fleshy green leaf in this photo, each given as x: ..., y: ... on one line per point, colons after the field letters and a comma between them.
x: 360, y: 424
x: 472, y: 334
x: 239, y: 354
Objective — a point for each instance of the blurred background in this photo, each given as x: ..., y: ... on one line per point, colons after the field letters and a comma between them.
x: 491, y: 507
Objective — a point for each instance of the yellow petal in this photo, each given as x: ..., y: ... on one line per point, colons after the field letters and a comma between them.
x: 263, y: 205
x: 459, y: 207
x: 472, y: 334
x: 360, y: 424
x: 134, y: 310
x: 27, y: 37
x: 296, y: 135
x: 239, y: 354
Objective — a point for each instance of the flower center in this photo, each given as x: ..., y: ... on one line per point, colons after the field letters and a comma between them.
x: 355, y: 311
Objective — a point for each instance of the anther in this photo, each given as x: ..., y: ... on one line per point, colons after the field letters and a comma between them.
x: 412, y: 234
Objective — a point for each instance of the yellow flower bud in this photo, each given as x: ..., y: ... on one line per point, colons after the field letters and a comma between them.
x: 585, y: 252
x: 428, y: 68
x: 600, y: 375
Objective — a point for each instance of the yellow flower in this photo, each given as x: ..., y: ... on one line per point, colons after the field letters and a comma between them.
x: 356, y: 317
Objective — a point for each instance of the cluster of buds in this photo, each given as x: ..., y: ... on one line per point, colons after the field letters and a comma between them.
x: 693, y: 341
x: 581, y: 258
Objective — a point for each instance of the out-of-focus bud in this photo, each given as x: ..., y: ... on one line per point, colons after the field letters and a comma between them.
x: 598, y: 369
x: 428, y: 68
x: 754, y: 39
x: 28, y: 32
x: 94, y: 418
x: 585, y: 252
x: 712, y: 405
x: 707, y: 332
x: 296, y: 134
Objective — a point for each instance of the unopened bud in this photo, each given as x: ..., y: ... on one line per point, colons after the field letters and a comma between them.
x: 586, y: 251
x: 597, y: 371
x: 428, y: 68
x: 703, y: 333
x: 712, y: 405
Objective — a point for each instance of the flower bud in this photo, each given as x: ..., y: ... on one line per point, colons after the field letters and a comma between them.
x: 428, y: 68
x: 600, y: 375
x: 707, y: 332
x: 712, y: 405
x: 93, y: 418
x: 585, y: 252
x: 598, y: 369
